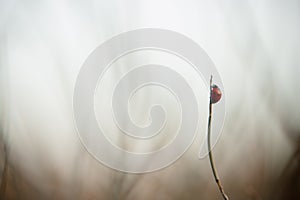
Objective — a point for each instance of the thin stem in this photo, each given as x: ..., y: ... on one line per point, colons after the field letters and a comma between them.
x: 212, y: 164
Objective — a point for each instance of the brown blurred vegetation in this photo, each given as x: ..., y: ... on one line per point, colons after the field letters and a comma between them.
x: 15, y: 185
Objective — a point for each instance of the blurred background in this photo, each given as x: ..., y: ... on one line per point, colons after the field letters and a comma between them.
x: 255, y: 46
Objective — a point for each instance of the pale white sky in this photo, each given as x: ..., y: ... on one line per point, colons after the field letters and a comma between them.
x: 254, y: 45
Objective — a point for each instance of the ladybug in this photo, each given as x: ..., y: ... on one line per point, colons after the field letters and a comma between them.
x: 215, y: 94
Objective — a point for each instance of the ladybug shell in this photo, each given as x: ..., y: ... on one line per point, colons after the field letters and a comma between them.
x: 215, y: 94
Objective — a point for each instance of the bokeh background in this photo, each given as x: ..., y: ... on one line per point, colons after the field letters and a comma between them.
x: 255, y: 46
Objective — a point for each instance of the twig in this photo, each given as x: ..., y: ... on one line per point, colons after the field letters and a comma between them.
x: 212, y: 164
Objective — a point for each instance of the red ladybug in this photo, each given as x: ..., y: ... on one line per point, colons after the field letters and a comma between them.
x: 215, y: 94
